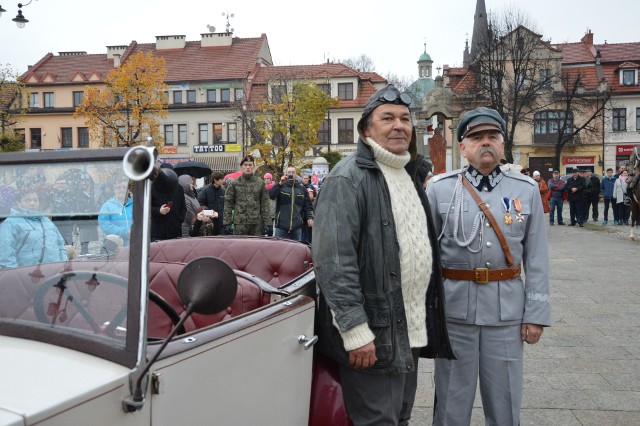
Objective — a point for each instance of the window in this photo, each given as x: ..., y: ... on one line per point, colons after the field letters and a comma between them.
x: 36, y: 138
x: 225, y: 95
x: 238, y: 94
x: 217, y: 132
x: 345, y: 91
x: 77, y: 98
x: 20, y: 133
x: 83, y: 137
x: 67, y: 137
x: 191, y: 96
x: 619, y: 123
x: 545, y: 77
x: 203, y: 131
x: 177, y: 97
x: 547, y: 125
x: 49, y: 101
x: 324, y: 136
x: 232, y: 133
x: 345, y: 130
x: 168, y: 134
x: 34, y: 100
x: 629, y: 77
x: 325, y: 87
x: 182, y: 134
x: 278, y: 94
x: 211, y: 95
x: 638, y: 119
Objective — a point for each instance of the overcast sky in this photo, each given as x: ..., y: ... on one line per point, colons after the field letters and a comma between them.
x: 391, y: 33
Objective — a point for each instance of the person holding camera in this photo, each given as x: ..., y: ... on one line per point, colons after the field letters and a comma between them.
x: 293, y: 206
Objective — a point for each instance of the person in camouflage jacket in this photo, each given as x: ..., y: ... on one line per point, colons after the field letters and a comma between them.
x: 246, y: 202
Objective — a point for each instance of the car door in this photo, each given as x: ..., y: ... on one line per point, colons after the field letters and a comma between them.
x: 253, y: 369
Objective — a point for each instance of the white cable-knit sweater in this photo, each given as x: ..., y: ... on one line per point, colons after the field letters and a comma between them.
x: 415, y: 250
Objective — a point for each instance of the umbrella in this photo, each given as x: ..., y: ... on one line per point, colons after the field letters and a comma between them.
x: 233, y: 175
x: 197, y: 169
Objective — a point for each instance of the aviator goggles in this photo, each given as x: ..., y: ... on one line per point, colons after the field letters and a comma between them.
x: 389, y: 96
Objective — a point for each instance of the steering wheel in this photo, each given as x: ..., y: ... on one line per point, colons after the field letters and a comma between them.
x: 54, y: 313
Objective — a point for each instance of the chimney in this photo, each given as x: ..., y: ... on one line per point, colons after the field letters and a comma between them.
x: 116, y: 60
x: 216, y: 39
x: 72, y: 53
x: 598, y: 57
x: 115, y: 50
x: 170, y: 42
x: 587, y: 38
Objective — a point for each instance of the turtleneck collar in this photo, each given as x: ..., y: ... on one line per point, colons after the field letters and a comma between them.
x: 387, y: 158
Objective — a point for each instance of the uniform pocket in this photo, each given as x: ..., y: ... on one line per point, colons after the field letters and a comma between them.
x: 446, y: 211
x: 456, y: 294
x: 517, y: 228
x: 511, y: 299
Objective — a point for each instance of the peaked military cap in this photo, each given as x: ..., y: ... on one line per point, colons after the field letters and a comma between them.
x: 479, y: 119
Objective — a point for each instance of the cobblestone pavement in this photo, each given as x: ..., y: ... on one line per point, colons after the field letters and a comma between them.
x: 586, y: 369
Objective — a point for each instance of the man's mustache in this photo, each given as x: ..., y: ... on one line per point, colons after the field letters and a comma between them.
x: 490, y: 150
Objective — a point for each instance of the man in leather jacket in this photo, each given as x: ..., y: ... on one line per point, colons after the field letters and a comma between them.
x: 378, y: 267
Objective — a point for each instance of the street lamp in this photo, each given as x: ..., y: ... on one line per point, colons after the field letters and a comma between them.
x: 20, y: 20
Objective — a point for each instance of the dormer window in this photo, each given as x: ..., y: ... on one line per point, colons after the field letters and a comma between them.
x: 629, y: 77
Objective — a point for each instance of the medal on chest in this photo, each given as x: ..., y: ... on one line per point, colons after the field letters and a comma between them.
x: 518, y: 206
x: 506, y: 205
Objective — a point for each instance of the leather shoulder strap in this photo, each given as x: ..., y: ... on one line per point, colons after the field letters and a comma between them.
x: 492, y: 220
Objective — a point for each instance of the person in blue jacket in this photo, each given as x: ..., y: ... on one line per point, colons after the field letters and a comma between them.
x: 115, y: 217
x: 27, y: 237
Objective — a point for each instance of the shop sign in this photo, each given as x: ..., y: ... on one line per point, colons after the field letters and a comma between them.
x: 168, y: 149
x: 203, y: 149
x: 578, y: 159
x: 624, y: 149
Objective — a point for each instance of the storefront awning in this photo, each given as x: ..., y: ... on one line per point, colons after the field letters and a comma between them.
x: 224, y: 164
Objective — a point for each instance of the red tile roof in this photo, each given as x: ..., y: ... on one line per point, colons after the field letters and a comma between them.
x: 612, y: 75
x: 64, y: 68
x: 588, y: 77
x: 194, y: 62
x: 576, y: 53
x: 619, y: 52
x: 366, y: 88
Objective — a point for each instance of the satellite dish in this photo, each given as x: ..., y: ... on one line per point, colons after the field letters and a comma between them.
x: 212, y: 29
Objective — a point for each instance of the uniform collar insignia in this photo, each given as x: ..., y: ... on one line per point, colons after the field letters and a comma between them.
x: 480, y: 182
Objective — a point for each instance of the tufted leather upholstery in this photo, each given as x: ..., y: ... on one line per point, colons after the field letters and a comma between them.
x: 275, y: 261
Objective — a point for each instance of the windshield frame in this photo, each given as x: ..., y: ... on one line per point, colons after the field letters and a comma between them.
x: 91, y: 344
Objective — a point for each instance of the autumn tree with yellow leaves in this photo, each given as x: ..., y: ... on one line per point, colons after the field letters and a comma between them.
x: 289, y: 122
x: 128, y: 110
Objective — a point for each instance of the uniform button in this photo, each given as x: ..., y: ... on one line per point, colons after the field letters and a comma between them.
x: 488, y: 225
x: 489, y: 244
x: 385, y: 222
x: 400, y: 322
x: 488, y: 206
x: 488, y: 264
x: 392, y: 274
x: 409, y: 367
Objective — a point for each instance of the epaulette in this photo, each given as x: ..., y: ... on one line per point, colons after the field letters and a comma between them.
x: 452, y: 173
x: 521, y: 177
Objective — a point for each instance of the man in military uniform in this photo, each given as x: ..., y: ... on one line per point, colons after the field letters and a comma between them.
x: 485, y: 245
x: 246, y: 202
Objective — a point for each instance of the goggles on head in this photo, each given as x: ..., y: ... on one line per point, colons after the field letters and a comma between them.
x: 394, y: 97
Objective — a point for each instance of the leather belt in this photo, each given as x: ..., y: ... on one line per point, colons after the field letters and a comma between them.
x: 481, y: 275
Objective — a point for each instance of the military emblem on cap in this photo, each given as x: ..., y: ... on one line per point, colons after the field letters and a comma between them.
x: 479, y: 119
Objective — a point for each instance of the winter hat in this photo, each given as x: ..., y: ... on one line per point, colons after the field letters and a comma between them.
x: 536, y: 173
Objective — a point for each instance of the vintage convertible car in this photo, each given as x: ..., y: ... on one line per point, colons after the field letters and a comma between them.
x: 99, y: 326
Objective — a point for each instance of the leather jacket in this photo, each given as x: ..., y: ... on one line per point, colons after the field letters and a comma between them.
x: 357, y: 266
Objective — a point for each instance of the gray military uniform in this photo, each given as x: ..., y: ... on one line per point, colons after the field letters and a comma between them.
x: 484, y: 320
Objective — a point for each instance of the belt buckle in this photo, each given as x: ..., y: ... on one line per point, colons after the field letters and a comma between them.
x: 481, y: 275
